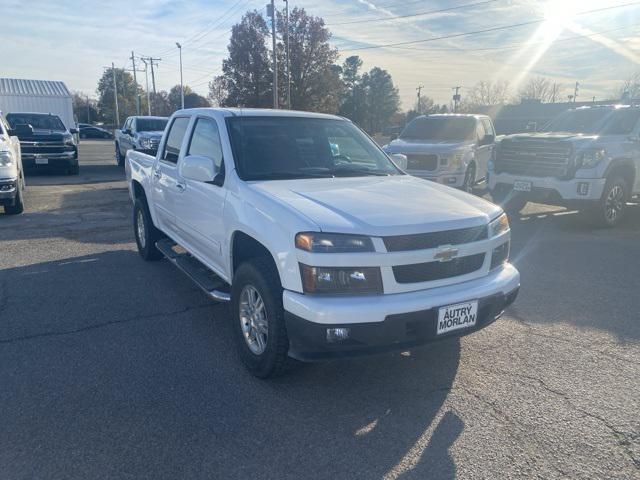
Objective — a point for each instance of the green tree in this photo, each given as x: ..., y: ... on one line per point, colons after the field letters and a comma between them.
x: 191, y: 98
x: 84, y: 108
x: 315, y: 79
x: 247, y: 70
x: 353, y: 99
x: 126, y: 96
x: 383, y: 100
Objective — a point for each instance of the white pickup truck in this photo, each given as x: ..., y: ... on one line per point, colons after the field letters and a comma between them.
x: 324, y: 247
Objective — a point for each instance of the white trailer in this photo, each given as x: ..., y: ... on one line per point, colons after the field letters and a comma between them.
x: 37, y: 96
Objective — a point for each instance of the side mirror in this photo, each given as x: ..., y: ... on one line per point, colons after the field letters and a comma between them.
x: 400, y: 160
x: 22, y: 130
x: 198, y: 168
x: 488, y: 139
x: 73, y: 131
x: 127, y: 131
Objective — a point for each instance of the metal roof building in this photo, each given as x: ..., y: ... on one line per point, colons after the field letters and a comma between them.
x: 37, y: 96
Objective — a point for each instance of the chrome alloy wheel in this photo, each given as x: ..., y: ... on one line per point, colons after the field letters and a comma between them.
x: 253, y: 320
x: 140, y: 227
x: 614, y: 204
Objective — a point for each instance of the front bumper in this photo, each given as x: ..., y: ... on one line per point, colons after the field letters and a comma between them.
x: 8, y: 190
x: 389, y: 322
x: 550, y: 188
x: 64, y: 159
x: 455, y: 179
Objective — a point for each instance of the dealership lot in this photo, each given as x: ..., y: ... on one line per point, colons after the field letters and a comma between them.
x: 113, y: 367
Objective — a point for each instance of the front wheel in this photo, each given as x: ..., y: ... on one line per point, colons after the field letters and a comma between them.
x: 610, y: 209
x: 119, y: 156
x: 18, y: 202
x: 145, y: 232
x: 469, y: 179
x: 258, y: 317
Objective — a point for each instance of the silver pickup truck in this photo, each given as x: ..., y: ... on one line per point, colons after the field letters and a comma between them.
x: 139, y: 133
x: 451, y: 149
x: 587, y: 158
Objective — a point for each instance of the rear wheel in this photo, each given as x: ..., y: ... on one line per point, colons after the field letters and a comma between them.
x: 611, y: 208
x: 258, y: 317
x: 145, y: 232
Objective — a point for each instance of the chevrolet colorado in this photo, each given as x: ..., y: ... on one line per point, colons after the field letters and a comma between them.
x: 452, y: 149
x: 45, y: 141
x: 587, y: 158
x: 11, y: 174
x: 139, y: 133
x: 323, y: 246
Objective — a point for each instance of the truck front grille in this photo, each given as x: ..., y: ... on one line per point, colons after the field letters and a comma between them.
x: 430, y: 271
x: 537, y: 158
x: 422, y: 241
x: 422, y: 162
x: 44, y: 147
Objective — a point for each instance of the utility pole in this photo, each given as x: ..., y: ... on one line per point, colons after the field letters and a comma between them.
x: 151, y: 61
x: 115, y: 94
x: 135, y: 83
x: 286, y: 21
x: 146, y: 74
x: 271, y: 12
x: 88, y: 111
x: 181, y: 84
x: 575, y: 92
x: 419, y: 90
x: 456, y: 97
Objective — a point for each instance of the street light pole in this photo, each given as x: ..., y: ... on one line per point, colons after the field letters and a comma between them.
x: 181, y: 84
x: 286, y: 28
x: 115, y: 95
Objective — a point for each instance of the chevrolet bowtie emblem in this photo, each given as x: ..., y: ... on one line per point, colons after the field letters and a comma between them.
x: 446, y: 253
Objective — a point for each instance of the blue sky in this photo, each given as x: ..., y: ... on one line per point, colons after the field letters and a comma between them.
x: 72, y: 41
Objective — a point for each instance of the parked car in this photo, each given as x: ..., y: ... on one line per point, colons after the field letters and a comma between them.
x: 45, y: 141
x: 139, y: 133
x: 94, y: 132
x: 587, y: 158
x: 11, y: 175
x: 452, y: 149
x: 324, y: 247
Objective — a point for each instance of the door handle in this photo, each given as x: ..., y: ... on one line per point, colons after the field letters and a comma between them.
x: 157, y: 174
x: 181, y: 187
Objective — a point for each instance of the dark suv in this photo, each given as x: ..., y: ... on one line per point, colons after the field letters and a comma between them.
x: 45, y: 141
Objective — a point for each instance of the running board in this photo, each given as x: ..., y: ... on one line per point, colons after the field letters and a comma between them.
x: 204, y: 278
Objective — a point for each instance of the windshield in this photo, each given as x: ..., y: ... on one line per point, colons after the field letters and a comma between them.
x: 440, y: 129
x: 621, y: 122
x: 588, y: 120
x: 292, y: 147
x: 37, y: 121
x: 151, y: 124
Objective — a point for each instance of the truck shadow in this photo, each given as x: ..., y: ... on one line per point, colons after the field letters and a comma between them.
x: 89, y: 174
x: 129, y: 359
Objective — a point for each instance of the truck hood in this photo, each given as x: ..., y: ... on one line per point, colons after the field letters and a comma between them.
x: 151, y: 134
x: 43, y: 135
x: 553, y: 136
x: 379, y: 206
x: 421, y: 146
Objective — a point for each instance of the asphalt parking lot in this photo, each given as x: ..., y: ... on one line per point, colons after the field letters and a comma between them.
x: 111, y: 367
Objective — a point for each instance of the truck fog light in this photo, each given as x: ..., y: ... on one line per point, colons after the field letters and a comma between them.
x: 335, y: 335
x: 500, y: 255
x: 583, y: 188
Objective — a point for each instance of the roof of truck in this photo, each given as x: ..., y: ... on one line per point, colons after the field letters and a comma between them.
x: 42, y: 88
x: 262, y: 112
x: 471, y: 115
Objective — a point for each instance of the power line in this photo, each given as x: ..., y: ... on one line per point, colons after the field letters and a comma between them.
x: 486, y: 30
x: 335, y: 13
x: 429, y: 12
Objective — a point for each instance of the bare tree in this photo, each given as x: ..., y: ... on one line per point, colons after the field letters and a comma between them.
x: 218, y: 91
x: 541, y: 89
x: 630, y: 88
x: 488, y: 93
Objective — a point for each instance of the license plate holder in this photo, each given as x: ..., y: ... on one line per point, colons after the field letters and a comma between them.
x: 457, y: 316
x: 522, y: 186
x: 42, y: 161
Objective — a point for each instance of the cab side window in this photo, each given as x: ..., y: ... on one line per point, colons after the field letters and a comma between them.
x: 486, y: 123
x: 176, y: 133
x: 205, y: 141
x: 480, y: 133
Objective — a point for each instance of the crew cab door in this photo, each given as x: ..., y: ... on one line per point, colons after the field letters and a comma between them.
x: 167, y: 186
x: 484, y: 148
x: 199, y: 208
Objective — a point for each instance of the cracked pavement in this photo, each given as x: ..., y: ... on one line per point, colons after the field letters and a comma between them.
x: 111, y: 367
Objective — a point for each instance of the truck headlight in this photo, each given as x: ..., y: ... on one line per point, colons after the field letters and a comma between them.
x: 144, y: 142
x: 454, y: 162
x: 590, y: 158
x: 341, y: 280
x: 6, y: 158
x: 498, y: 226
x: 317, y: 242
x: 68, y: 140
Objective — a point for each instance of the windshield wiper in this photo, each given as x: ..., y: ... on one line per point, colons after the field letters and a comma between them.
x: 357, y: 171
x: 288, y: 175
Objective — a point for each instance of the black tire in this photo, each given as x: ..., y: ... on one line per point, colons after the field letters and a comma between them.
x: 147, y: 235
x: 261, y: 274
x: 512, y: 202
x: 610, y: 210
x: 469, y: 179
x: 119, y: 156
x: 74, y: 170
x: 18, y: 202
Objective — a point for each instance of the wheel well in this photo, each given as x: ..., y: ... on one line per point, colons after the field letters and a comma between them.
x: 138, y: 191
x: 244, y: 247
x: 626, y: 171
